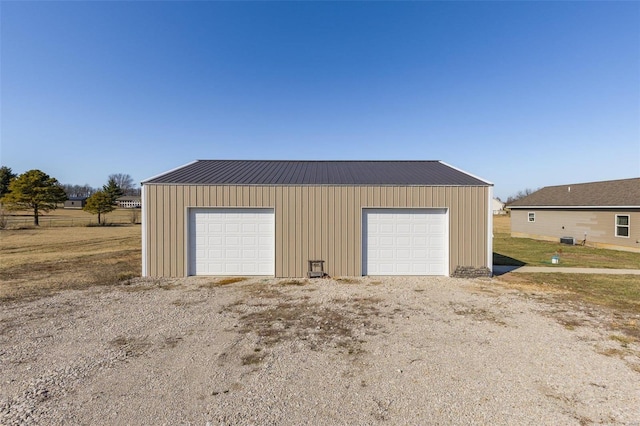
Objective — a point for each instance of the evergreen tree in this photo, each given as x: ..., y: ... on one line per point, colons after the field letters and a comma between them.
x: 112, y: 190
x: 99, y: 203
x: 5, y: 179
x: 34, y: 190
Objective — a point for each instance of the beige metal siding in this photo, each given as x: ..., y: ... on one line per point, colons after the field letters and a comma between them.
x: 599, y: 226
x: 313, y: 222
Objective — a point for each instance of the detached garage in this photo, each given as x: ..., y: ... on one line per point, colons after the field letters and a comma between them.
x: 270, y: 218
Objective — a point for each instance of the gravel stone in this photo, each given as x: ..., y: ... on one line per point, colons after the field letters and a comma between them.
x: 361, y: 351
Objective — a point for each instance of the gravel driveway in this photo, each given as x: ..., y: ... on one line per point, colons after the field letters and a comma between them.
x: 289, y: 352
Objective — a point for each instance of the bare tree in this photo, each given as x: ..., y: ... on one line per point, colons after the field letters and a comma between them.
x: 520, y: 195
x: 125, y: 182
x: 79, y: 191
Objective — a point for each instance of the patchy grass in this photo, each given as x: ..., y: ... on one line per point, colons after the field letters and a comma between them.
x: 231, y: 280
x: 253, y: 359
x: 131, y: 346
x: 348, y: 280
x: 146, y: 284
x: 623, y: 340
x: 524, y: 251
x: 570, y: 323
x: 478, y: 314
x: 611, y: 301
x: 281, y: 317
x: 293, y: 282
x: 619, y: 292
x: 222, y: 281
x: 171, y: 342
x: 39, y: 262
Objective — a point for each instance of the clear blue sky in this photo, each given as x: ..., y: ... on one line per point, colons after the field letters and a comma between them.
x: 523, y: 94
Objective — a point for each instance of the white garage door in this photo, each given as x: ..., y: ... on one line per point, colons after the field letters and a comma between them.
x: 404, y: 242
x: 225, y: 241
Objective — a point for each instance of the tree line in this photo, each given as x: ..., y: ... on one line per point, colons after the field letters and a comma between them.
x: 40, y: 193
x: 122, y: 180
x: 519, y: 195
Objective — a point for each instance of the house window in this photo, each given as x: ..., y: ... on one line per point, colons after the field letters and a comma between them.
x: 532, y: 217
x: 622, y: 225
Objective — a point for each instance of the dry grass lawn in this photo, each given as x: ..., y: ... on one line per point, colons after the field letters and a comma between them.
x: 525, y: 251
x: 69, y: 217
x: 38, y: 262
x: 502, y: 224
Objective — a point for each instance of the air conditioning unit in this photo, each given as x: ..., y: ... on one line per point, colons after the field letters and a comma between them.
x: 568, y: 240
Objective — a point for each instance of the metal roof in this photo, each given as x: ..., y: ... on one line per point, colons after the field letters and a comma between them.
x: 272, y: 172
x: 610, y: 193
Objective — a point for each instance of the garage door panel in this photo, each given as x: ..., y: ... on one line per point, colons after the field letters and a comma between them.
x: 231, y: 241
x: 420, y: 241
x: 265, y: 227
x: 419, y: 228
x: 232, y: 228
x: 265, y: 270
x: 386, y: 228
x: 436, y: 228
x: 404, y: 241
x: 213, y: 254
x: 265, y: 241
x: 436, y: 242
x: 404, y: 228
x: 403, y: 268
x: 249, y: 228
x: 212, y: 269
x: 231, y: 269
x: 385, y: 241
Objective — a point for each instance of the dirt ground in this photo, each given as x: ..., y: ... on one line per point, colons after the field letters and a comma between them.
x: 201, y: 351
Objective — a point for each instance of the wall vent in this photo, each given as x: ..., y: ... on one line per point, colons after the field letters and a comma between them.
x: 568, y: 240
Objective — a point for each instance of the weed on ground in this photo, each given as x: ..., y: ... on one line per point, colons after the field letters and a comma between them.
x: 222, y: 282
x: 276, y: 316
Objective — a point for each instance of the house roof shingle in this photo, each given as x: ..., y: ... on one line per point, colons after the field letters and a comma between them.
x: 276, y: 172
x: 611, y: 193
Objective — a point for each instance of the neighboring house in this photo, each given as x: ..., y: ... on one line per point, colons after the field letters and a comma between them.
x: 497, y: 206
x: 220, y: 217
x: 599, y: 214
x: 75, y: 202
x: 129, y: 202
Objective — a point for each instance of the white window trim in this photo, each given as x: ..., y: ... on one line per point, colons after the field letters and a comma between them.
x: 529, y: 217
x: 628, y: 226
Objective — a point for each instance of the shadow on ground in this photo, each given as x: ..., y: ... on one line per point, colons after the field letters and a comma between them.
x: 500, y: 259
x: 503, y: 264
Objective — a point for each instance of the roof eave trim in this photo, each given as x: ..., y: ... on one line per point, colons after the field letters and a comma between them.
x: 466, y: 173
x: 315, y: 184
x: 573, y: 207
x: 168, y: 171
